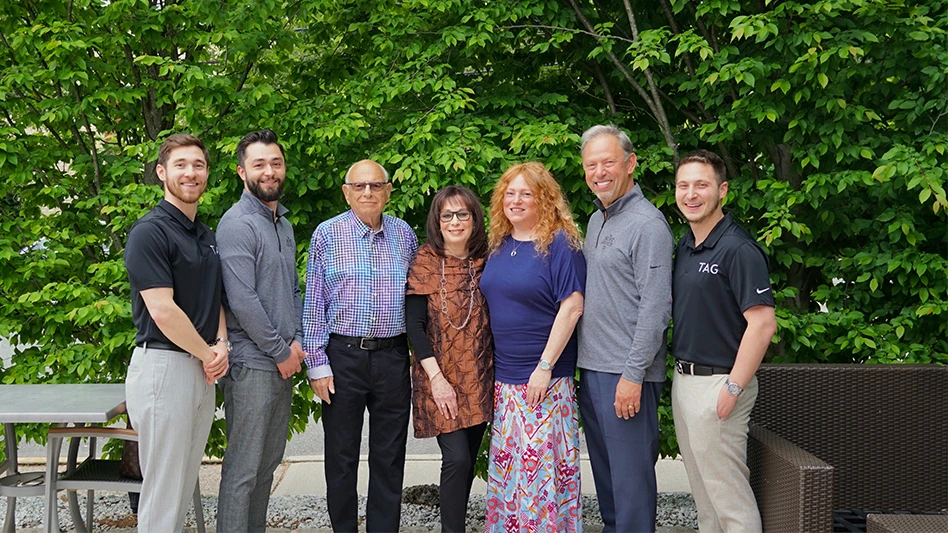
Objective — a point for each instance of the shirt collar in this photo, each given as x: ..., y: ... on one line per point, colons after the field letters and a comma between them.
x: 261, y: 208
x: 629, y: 198
x: 176, y: 214
x: 716, y: 233
x: 362, y: 228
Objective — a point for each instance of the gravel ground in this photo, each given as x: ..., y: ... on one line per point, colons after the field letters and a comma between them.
x: 309, y: 512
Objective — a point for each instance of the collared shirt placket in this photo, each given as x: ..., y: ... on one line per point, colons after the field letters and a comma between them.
x: 374, y: 282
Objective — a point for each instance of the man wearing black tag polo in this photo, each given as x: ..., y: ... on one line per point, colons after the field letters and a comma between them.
x: 181, y: 346
x: 723, y: 308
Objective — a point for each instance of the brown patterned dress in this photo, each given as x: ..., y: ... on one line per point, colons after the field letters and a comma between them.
x: 465, y: 356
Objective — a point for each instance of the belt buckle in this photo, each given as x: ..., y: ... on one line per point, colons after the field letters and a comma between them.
x: 681, y: 367
x: 368, y: 344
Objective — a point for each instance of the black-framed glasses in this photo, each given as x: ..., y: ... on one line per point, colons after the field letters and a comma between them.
x: 448, y: 216
x: 360, y: 186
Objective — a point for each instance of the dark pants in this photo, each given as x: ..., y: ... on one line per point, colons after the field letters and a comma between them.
x: 377, y: 380
x: 622, y: 453
x: 458, y: 456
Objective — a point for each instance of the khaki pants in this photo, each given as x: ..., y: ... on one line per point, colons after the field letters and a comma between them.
x: 171, y: 407
x: 715, y: 453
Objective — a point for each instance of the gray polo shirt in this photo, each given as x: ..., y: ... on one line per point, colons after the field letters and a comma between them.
x: 264, y: 307
x: 628, y: 253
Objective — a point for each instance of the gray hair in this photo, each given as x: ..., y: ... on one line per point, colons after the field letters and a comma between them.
x: 384, y: 172
x: 610, y: 129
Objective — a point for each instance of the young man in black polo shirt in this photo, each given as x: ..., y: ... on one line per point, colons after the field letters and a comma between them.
x: 181, y: 346
x: 723, y: 309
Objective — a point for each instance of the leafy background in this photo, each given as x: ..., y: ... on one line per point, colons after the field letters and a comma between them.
x: 831, y: 116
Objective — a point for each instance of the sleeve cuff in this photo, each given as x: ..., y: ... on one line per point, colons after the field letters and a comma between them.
x: 319, y: 372
x: 635, y: 375
x: 282, y: 356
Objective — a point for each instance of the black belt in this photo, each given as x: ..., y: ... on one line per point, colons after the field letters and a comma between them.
x: 155, y: 345
x: 371, y: 343
x: 685, y: 367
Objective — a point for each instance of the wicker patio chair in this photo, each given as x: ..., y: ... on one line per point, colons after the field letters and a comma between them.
x: 848, y: 437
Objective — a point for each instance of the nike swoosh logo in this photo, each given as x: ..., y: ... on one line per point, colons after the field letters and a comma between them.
x: 654, y: 266
x: 763, y: 291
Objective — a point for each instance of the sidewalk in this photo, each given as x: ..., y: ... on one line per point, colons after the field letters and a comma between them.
x: 302, y: 476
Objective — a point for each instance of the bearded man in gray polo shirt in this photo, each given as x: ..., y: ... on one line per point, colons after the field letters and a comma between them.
x: 622, y: 332
x: 264, y: 323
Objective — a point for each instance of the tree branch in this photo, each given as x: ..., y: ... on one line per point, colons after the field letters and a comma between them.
x: 666, y: 125
x: 597, y: 71
x: 669, y: 16
x: 240, y: 86
x: 615, y: 60
x: 561, y: 28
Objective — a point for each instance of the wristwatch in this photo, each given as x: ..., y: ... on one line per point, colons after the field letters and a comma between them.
x: 226, y: 342
x: 545, y: 365
x: 732, y: 388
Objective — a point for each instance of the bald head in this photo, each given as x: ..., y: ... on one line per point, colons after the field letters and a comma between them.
x: 367, y: 168
x: 367, y: 190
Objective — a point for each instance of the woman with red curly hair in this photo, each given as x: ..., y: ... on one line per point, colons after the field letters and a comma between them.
x: 533, y: 282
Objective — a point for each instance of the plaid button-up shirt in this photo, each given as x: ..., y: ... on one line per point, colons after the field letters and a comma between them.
x: 355, y: 283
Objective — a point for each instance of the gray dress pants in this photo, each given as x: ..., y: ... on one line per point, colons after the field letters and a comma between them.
x: 257, y: 409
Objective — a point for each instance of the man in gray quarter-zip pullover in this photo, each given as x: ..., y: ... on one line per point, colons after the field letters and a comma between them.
x: 264, y: 318
x: 622, y: 332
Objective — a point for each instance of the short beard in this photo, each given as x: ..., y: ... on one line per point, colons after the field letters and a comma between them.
x: 266, y: 195
x: 178, y: 192
x: 606, y: 197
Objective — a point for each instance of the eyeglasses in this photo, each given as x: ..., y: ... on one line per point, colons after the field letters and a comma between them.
x: 448, y: 216
x: 376, y: 186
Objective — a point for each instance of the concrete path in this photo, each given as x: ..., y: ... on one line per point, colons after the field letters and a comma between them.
x: 303, y: 475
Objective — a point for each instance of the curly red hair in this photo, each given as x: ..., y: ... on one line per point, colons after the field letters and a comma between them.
x: 553, y: 212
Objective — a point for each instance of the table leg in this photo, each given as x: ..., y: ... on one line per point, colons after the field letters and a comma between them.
x: 51, y: 515
x: 9, y: 437
x: 82, y: 526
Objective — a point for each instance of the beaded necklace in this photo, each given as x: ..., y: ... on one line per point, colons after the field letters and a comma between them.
x: 444, y: 293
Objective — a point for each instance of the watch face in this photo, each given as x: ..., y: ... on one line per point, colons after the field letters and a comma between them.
x: 734, y: 389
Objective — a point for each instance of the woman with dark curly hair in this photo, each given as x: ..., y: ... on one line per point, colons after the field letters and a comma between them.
x: 534, y: 283
x: 452, y: 372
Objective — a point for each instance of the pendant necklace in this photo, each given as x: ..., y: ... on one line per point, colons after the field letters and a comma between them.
x: 444, y: 293
x: 513, y: 252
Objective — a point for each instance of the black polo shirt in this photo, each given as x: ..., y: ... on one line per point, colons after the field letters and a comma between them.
x: 166, y: 249
x: 712, y: 286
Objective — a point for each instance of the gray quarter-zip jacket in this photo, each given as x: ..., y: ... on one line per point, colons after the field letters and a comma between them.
x: 628, y: 251
x: 264, y: 308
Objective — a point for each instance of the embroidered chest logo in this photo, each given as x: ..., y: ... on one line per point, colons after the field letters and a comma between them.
x: 214, y: 249
x: 289, y: 241
x: 608, y: 241
x: 708, y: 268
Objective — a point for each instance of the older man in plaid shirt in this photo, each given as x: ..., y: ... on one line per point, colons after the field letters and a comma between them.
x: 354, y: 333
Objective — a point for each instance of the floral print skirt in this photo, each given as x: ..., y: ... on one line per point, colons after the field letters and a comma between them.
x: 533, y: 472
